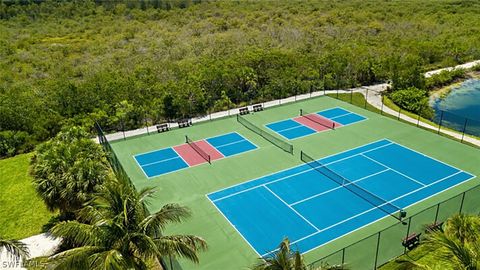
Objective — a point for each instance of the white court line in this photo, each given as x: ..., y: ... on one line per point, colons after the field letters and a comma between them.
x: 213, y: 147
x: 402, y: 174
x: 373, y: 208
x: 160, y: 161
x: 295, y: 211
x: 331, y: 118
x: 308, y: 168
x: 339, y: 187
x: 420, y: 153
x: 230, y: 143
x: 290, y: 128
x: 233, y: 226
x: 289, y: 176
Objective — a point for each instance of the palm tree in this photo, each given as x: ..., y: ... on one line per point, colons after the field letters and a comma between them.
x: 115, y: 231
x: 283, y: 259
x: 14, y: 248
x: 67, y: 169
x: 457, y: 244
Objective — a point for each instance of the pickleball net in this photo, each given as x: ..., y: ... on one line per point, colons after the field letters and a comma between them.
x: 197, y: 149
x: 366, y: 195
x: 317, y: 119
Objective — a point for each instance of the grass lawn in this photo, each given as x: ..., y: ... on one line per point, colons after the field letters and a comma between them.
x: 22, y: 212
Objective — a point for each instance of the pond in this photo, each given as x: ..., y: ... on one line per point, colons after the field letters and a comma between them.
x: 460, y: 109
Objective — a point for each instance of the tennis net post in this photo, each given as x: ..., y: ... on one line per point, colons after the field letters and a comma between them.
x: 364, y: 194
x: 197, y: 149
x: 310, y: 117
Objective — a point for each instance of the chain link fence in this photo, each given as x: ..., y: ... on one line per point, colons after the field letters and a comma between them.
x: 377, y: 249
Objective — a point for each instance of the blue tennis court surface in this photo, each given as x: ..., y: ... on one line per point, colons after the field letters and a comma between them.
x: 179, y: 157
x: 293, y: 128
x: 312, y: 209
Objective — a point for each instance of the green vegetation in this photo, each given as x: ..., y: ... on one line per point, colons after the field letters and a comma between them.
x: 14, y: 248
x: 23, y: 212
x: 413, y: 100
x: 455, y: 246
x: 116, y: 231
x: 128, y: 64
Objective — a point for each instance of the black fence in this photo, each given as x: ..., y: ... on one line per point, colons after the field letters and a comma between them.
x: 377, y: 249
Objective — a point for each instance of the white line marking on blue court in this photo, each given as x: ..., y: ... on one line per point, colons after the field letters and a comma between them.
x: 160, y: 161
x: 289, y: 176
x: 295, y: 211
x: 339, y: 187
x: 308, y: 168
x: 402, y: 174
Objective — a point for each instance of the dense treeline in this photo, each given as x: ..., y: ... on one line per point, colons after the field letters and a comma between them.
x: 126, y: 64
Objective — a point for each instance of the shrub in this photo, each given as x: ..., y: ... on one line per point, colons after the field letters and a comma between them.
x: 445, y: 78
x: 14, y: 142
x: 414, y: 100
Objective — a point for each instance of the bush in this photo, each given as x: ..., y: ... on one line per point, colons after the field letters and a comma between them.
x: 445, y: 78
x: 414, y: 100
x: 14, y: 142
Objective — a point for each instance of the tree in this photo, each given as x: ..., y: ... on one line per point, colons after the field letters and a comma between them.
x: 283, y: 259
x: 458, y: 244
x: 14, y: 248
x: 67, y: 169
x: 115, y: 231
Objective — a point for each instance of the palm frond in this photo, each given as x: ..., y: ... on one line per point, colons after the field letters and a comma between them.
x: 185, y: 246
x: 14, y: 248
x: 75, y: 258
x: 79, y: 233
x: 169, y: 213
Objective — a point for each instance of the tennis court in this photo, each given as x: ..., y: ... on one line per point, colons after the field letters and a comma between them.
x: 192, y: 153
x: 318, y: 202
x: 310, y: 123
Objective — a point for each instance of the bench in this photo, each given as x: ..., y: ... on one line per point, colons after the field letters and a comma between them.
x: 411, y: 241
x: 162, y: 128
x: 244, y: 111
x: 257, y: 107
x: 184, y: 123
x: 436, y: 226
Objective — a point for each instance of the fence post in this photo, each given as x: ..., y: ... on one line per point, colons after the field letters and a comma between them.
x: 324, y: 91
x: 146, y: 124
x: 366, y: 99
x: 399, y: 110
x: 464, y: 128
x: 408, y: 232
x: 351, y: 96
x: 381, y: 109
x: 378, y: 247
x: 440, y: 123
x: 418, y: 120
x: 461, y: 204
x: 343, y: 257
x: 436, y: 213
x: 123, y: 130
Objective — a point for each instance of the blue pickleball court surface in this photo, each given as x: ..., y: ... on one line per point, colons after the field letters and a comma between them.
x: 167, y: 160
x: 291, y: 129
x: 312, y: 209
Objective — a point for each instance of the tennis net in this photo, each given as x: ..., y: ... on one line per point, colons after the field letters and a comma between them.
x: 318, y: 119
x: 285, y: 146
x: 366, y: 195
x: 198, y: 149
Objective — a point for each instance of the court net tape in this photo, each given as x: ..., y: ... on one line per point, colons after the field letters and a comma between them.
x: 198, y: 149
x: 317, y: 119
x: 267, y: 136
x: 371, y: 198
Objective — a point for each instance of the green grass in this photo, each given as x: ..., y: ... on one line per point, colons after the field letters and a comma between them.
x: 227, y: 248
x: 22, y: 213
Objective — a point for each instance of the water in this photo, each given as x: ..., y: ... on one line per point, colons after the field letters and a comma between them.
x: 461, y: 108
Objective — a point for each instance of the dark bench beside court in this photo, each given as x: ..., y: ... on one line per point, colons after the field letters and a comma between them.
x: 162, y: 128
x: 244, y: 111
x: 257, y: 107
x: 411, y: 241
x: 184, y: 123
x: 436, y: 226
